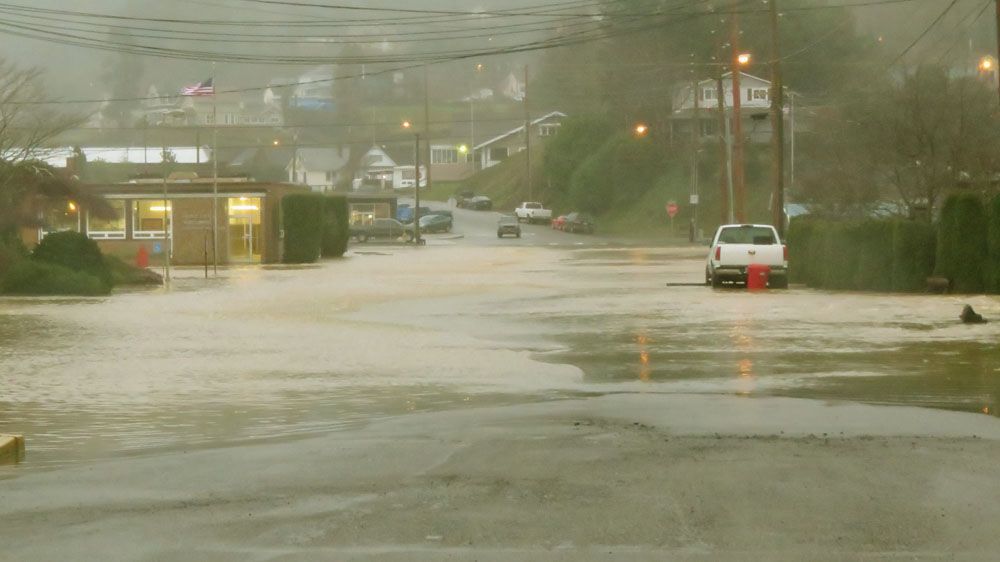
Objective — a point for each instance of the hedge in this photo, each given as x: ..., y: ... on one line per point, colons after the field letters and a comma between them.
x: 33, y: 277
x: 962, y: 246
x: 874, y: 251
x: 993, y: 248
x: 76, y: 252
x: 913, y: 248
x: 302, y: 215
x: 336, y: 226
x: 803, y: 252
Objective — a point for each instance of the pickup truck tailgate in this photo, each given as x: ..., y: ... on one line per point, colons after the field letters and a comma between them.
x: 741, y: 255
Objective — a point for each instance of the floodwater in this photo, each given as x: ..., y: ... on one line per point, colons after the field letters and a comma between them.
x: 266, y: 354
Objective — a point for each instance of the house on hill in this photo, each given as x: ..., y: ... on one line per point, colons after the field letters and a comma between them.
x: 501, y: 147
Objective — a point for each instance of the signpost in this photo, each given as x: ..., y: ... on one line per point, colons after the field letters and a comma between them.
x: 672, y: 210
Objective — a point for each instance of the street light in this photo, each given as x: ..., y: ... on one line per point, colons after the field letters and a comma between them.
x: 463, y: 149
x: 743, y: 59
x: 987, y: 64
x: 408, y: 125
x: 641, y: 130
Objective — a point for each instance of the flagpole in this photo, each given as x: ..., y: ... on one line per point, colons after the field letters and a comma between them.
x: 215, y: 177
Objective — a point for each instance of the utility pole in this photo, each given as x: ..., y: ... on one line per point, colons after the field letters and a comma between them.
x: 527, y: 137
x: 777, y: 124
x: 427, y: 129
x: 739, y: 189
x: 168, y: 244
x: 725, y: 167
x: 215, y: 179
x: 695, y: 145
x: 416, y: 195
x: 997, y: 4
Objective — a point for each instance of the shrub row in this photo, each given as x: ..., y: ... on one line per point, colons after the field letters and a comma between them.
x: 64, y: 263
x: 869, y: 255
x: 315, y: 225
x: 962, y: 243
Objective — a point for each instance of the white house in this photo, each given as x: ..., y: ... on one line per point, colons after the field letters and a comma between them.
x: 319, y: 168
x: 404, y: 177
x: 755, y: 105
x: 377, y: 167
x: 499, y: 148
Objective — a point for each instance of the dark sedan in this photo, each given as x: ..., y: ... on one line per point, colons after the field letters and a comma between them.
x: 479, y: 203
x: 435, y: 223
x: 579, y: 222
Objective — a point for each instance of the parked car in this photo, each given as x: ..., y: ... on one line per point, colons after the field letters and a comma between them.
x: 579, y: 222
x: 508, y: 225
x: 462, y: 198
x: 736, y: 246
x: 435, y: 223
x: 533, y: 212
x: 559, y: 222
x: 382, y: 229
x: 479, y: 203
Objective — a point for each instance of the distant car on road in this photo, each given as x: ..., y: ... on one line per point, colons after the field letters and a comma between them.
x: 559, y: 222
x: 579, y: 222
x: 462, y: 198
x: 405, y: 214
x: 508, y: 225
x: 382, y: 229
x: 533, y: 212
x: 736, y: 246
x: 479, y: 203
x: 435, y: 223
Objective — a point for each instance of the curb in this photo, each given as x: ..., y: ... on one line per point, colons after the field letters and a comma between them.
x: 11, y: 448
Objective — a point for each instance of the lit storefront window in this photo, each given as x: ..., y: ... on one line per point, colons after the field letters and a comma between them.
x: 147, y: 221
x: 108, y: 228
x: 59, y: 217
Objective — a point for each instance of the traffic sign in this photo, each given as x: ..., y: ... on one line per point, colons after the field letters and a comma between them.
x: 672, y: 209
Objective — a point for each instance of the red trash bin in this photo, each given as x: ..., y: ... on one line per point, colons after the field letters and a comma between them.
x: 758, y: 276
x: 142, y: 258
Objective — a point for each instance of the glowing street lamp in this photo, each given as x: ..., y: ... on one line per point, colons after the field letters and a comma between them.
x: 463, y: 149
x: 407, y: 125
x: 743, y: 59
x: 987, y: 64
x: 641, y: 130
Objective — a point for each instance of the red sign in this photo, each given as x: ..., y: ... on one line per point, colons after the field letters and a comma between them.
x: 672, y: 209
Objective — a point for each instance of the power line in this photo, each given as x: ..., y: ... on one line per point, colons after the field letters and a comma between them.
x: 925, y: 32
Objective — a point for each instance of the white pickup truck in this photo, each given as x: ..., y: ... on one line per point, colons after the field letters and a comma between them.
x: 736, y: 246
x: 533, y: 212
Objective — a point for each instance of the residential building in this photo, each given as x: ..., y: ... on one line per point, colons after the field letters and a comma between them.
x: 322, y: 169
x: 499, y: 148
x: 755, y: 106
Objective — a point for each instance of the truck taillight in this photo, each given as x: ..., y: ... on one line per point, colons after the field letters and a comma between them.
x: 785, y: 250
x: 718, y: 253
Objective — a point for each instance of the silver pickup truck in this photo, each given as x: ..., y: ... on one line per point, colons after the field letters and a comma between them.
x: 736, y: 246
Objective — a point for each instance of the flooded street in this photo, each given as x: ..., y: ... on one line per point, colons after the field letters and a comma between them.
x: 330, y: 402
x: 265, y: 354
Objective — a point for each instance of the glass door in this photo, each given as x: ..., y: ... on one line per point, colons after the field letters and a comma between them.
x: 244, y: 230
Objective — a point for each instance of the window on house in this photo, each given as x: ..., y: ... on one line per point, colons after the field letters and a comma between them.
x: 708, y: 93
x: 444, y: 156
x: 329, y: 177
x: 760, y: 94
x: 111, y: 228
x: 148, y: 218
x: 548, y: 129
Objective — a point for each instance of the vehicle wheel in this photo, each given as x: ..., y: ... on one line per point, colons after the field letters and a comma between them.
x: 708, y: 277
x: 716, y: 282
x: 779, y: 282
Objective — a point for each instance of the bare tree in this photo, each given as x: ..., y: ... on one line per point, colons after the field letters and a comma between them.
x: 28, y: 127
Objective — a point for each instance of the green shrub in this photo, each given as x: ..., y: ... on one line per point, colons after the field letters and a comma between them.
x: 33, y: 277
x: 913, y: 248
x: 962, y: 246
x: 302, y: 214
x: 123, y: 273
x: 336, y: 227
x: 802, y: 262
x: 74, y: 251
x: 874, y: 255
x: 993, y: 248
x: 12, y: 250
x: 839, y: 248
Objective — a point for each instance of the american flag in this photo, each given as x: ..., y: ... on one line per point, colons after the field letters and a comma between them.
x: 206, y: 88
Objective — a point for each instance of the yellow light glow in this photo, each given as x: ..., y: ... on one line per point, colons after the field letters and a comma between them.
x: 641, y: 129
x: 71, y: 207
x: 463, y: 149
x: 407, y: 124
x: 480, y: 67
x: 244, y: 208
x: 160, y: 208
x: 276, y: 142
x: 986, y: 64
x: 743, y: 59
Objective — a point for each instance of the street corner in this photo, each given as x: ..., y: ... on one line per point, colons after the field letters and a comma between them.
x: 11, y: 449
